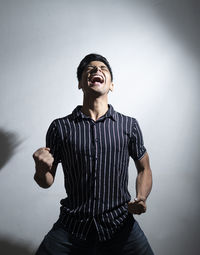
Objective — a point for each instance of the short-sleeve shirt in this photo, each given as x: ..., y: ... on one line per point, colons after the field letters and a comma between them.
x: 95, y: 159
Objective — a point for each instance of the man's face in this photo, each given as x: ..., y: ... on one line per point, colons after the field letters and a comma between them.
x: 96, y: 78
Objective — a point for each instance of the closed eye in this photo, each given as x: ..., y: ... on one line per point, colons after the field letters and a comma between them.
x: 104, y: 68
x: 89, y: 68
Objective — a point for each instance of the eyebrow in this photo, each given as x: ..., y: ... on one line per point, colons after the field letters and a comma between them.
x: 95, y: 66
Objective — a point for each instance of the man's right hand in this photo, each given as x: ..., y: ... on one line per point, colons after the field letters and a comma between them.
x: 45, y: 170
x: 43, y: 160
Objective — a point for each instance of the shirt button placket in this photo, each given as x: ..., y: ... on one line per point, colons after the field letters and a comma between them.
x: 95, y: 153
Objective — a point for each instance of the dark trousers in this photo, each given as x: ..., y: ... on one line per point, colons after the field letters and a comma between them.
x: 129, y: 241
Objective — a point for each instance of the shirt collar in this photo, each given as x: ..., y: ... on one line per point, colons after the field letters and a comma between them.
x: 77, y: 113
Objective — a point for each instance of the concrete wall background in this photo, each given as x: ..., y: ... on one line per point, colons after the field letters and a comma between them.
x: 153, y: 48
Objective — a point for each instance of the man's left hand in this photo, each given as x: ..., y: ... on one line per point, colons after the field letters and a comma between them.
x: 137, y: 206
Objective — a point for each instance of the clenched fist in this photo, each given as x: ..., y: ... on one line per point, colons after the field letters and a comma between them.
x: 43, y: 159
x: 138, y: 206
x: 45, y: 170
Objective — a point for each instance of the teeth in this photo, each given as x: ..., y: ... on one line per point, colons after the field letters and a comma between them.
x: 97, y: 76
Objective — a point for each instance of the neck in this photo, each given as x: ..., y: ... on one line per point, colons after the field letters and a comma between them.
x: 95, y: 108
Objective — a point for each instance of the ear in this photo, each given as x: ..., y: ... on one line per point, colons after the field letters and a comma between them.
x: 111, y: 86
x: 79, y: 85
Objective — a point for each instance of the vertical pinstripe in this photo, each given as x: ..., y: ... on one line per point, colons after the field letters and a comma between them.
x: 95, y: 157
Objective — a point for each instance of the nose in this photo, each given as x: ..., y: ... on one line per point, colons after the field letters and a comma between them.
x: 96, y: 68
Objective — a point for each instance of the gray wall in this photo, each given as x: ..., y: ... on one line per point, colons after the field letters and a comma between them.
x: 153, y: 48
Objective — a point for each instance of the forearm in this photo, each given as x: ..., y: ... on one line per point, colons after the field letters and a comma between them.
x: 144, y: 183
x: 44, y: 180
x: 45, y: 168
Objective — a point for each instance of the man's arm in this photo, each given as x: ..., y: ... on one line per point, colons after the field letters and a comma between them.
x: 144, y: 178
x: 143, y: 185
x: 45, y: 169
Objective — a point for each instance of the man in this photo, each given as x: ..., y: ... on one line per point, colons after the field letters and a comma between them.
x: 94, y: 144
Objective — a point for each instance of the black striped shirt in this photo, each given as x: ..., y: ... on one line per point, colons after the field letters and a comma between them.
x: 95, y: 159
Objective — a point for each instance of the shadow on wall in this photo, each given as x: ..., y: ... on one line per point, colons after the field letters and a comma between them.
x: 9, y: 142
x: 8, y: 247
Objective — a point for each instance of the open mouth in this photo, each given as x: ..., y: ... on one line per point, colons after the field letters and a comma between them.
x: 96, y: 79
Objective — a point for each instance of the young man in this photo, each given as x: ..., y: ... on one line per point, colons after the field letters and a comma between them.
x: 94, y: 144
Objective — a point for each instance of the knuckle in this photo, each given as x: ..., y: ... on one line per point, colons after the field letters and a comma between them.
x: 40, y: 158
x: 45, y: 161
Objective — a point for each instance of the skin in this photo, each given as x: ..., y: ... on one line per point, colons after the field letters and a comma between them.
x: 95, y: 105
x: 143, y: 186
x: 45, y: 170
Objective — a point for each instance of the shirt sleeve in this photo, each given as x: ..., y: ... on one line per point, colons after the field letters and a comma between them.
x: 136, y: 144
x: 53, y: 142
